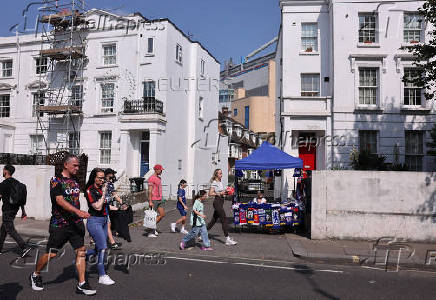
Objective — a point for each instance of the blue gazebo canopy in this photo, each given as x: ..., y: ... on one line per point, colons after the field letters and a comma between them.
x: 268, y: 157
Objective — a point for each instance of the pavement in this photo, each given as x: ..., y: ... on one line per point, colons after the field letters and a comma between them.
x: 386, y: 253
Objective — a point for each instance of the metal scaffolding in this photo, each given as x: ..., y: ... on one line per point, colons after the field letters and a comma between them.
x: 57, y: 105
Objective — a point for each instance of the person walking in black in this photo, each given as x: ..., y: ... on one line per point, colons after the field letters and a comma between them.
x: 9, y: 211
x: 217, y: 191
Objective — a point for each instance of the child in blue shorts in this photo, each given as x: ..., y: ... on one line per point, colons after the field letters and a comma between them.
x: 181, y: 207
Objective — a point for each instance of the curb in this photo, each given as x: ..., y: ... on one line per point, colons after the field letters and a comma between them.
x: 299, y: 251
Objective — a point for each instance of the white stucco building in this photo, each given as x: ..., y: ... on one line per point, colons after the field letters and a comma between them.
x: 149, y: 94
x: 340, y: 70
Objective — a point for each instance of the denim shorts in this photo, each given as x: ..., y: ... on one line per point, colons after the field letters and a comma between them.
x: 182, y: 211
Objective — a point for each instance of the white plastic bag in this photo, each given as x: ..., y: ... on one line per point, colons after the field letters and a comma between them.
x: 150, y: 219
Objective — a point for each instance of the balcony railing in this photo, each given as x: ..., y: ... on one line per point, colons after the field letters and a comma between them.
x: 145, y: 105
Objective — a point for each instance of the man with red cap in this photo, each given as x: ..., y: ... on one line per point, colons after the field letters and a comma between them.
x: 155, y: 195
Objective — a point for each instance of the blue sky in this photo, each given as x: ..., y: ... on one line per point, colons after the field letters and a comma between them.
x: 227, y: 28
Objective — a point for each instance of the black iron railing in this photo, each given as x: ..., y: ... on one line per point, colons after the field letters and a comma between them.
x: 144, y: 105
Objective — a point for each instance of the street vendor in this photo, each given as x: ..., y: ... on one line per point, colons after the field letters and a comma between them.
x: 259, y: 199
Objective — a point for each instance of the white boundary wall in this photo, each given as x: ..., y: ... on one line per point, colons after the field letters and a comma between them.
x: 37, y: 179
x: 373, y: 204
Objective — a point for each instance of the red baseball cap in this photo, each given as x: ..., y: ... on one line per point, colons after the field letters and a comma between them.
x: 158, y: 167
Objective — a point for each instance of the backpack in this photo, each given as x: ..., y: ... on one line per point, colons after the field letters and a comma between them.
x: 18, y: 194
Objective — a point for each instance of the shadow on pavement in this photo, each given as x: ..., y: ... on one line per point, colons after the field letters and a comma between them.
x: 10, y: 290
x: 68, y: 273
x: 305, y: 270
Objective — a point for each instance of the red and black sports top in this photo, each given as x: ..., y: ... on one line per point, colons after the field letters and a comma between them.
x: 94, y: 194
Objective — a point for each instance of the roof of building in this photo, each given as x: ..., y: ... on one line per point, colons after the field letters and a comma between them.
x: 138, y: 14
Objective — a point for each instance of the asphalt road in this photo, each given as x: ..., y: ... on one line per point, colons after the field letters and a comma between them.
x: 177, y: 276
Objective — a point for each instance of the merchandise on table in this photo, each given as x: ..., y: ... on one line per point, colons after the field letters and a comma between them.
x: 269, y: 215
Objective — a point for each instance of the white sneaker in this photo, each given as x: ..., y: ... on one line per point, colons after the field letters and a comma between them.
x: 156, y: 233
x: 230, y: 242
x: 151, y: 235
x: 173, y: 227
x: 184, y: 231
x: 106, y: 280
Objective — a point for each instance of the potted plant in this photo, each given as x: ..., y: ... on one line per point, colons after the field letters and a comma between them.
x: 309, y: 49
x: 367, y: 42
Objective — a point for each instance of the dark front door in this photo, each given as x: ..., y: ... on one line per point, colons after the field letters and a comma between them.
x: 145, y: 151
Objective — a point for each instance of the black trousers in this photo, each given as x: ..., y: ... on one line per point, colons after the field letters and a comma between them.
x: 9, y: 228
x: 219, y: 213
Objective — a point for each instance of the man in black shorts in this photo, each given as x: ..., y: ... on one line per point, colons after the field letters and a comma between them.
x: 9, y: 211
x: 66, y: 225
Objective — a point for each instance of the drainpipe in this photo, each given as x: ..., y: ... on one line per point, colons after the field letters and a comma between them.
x: 332, y: 82
x: 18, y: 61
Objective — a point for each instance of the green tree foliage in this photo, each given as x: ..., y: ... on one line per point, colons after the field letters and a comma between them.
x: 425, y: 53
x: 432, y: 145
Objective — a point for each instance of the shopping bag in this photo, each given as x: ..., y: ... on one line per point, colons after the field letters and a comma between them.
x: 150, y: 219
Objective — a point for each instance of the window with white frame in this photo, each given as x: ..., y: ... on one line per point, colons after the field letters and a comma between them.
x: 367, y: 28
x: 412, y: 92
x: 414, y: 149
x: 109, y: 54
x: 238, y: 131
x: 200, y: 108
x: 77, y: 95
x: 105, y: 147
x: 202, y: 67
x: 150, y: 45
x: 38, y: 100
x: 412, y: 31
x: 7, y: 68
x: 368, y: 141
x: 309, y: 37
x: 179, y: 53
x: 5, y: 106
x: 41, y: 65
x: 74, y: 143
x: 36, y: 144
x: 226, y: 95
x: 368, y: 86
x: 107, y: 97
x: 149, y: 89
x: 310, y: 85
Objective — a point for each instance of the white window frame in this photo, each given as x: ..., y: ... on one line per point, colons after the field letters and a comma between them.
x: 105, y: 147
x: 307, y: 37
x: 369, y: 132
x: 77, y: 96
x: 419, y: 153
x: 312, y: 93
x: 376, y: 38
x: 149, y: 87
x: 148, y: 52
x: 202, y: 67
x: 41, y: 97
x: 39, y: 65
x: 238, y: 131
x: 109, y: 60
x: 179, y: 54
x: 5, y: 106
x: 7, y: 71
x: 105, y: 108
x: 421, y: 29
x: 200, y: 108
x: 404, y: 87
x: 74, y: 144
x: 36, y: 144
x: 377, y: 86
